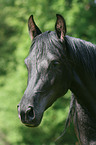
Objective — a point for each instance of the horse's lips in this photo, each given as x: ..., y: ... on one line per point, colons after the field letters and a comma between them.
x: 29, y: 125
x: 32, y: 125
x: 35, y: 123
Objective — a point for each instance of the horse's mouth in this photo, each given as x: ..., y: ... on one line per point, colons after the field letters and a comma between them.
x: 32, y: 125
x: 36, y: 122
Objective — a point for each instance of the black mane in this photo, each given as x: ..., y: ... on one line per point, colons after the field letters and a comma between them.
x: 82, y: 53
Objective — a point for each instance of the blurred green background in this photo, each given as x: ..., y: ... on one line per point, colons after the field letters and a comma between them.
x: 80, y: 16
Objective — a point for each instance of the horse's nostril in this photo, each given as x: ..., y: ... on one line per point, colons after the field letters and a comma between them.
x: 30, y: 114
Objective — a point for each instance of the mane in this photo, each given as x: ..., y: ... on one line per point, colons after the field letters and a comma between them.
x: 82, y: 52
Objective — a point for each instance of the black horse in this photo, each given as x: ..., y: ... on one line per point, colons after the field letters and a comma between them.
x: 56, y: 63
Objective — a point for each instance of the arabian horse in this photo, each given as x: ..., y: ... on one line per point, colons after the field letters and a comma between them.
x: 56, y: 63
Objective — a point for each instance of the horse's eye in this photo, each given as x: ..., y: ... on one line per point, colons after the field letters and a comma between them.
x: 55, y: 64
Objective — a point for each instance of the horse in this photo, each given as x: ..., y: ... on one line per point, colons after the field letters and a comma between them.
x: 56, y: 63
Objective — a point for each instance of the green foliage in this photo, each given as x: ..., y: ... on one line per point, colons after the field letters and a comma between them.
x: 14, y: 47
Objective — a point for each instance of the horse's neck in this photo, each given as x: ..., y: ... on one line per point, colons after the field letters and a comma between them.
x: 84, y: 88
x: 84, y: 79
x: 84, y: 125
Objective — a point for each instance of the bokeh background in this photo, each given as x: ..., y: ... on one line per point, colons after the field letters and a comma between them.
x: 80, y: 16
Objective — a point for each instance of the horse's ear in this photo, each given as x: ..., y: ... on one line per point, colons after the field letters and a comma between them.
x: 33, y: 29
x: 60, y: 27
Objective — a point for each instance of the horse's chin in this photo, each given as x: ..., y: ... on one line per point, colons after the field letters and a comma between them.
x: 35, y: 124
x: 32, y: 125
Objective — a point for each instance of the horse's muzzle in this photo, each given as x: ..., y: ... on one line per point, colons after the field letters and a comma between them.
x: 27, y: 117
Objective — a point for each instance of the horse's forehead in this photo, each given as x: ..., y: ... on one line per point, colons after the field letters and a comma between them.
x: 45, y: 58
